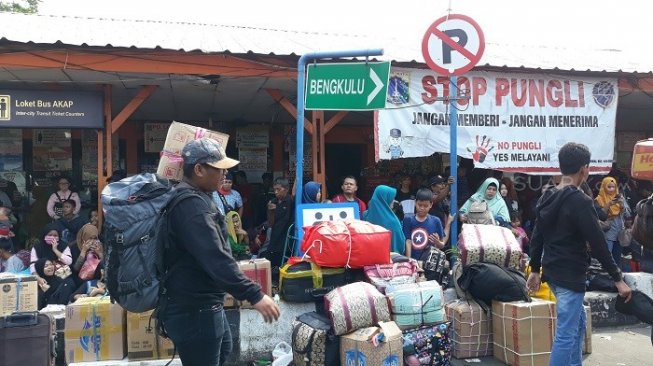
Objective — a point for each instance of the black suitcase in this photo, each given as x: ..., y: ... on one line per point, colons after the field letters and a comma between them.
x: 314, y: 342
x: 26, y: 339
x: 298, y: 281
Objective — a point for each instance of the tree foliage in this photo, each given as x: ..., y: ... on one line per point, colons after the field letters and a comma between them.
x: 20, y: 6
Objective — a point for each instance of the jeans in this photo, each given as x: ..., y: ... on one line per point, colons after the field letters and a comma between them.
x: 615, y: 249
x: 570, y: 329
x: 201, y: 335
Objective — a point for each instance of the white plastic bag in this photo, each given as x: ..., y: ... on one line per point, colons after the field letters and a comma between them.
x: 282, y: 354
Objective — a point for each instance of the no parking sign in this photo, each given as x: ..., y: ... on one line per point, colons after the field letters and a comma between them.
x: 453, y: 45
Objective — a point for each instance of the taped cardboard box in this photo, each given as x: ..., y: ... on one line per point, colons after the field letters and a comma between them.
x: 257, y: 270
x: 18, y: 293
x: 142, y: 341
x: 365, y: 347
x: 472, y: 329
x: 95, y: 330
x: 523, y: 331
x: 171, y: 163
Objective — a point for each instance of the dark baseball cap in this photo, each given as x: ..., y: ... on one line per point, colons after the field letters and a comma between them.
x: 438, y: 179
x: 207, y: 151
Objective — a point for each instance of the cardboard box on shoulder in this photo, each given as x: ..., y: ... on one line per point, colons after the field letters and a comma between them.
x: 171, y: 162
x: 258, y: 270
x: 523, y: 331
x: 95, y: 330
x: 18, y: 293
x: 357, y: 348
x: 472, y: 329
x: 142, y: 341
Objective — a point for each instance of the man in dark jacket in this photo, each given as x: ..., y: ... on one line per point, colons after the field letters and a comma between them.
x: 202, y: 267
x: 281, y: 214
x: 566, y: 222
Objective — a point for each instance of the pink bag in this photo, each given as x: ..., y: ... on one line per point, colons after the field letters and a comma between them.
x: 352, y: 244
x: 87, y: 272
x: 388, y: 275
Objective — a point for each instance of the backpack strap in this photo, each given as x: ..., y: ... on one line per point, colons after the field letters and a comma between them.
x: 225, y: 204
x: 168, y: 245
x: 58, y: 197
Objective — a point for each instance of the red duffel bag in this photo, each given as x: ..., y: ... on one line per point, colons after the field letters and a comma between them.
x: 352, y: 244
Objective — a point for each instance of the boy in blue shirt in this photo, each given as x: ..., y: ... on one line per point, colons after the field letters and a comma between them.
x: 423, y: 229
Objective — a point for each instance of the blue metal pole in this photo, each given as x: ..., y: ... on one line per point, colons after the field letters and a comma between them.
x: 301, y: 81
x: 453, y: 159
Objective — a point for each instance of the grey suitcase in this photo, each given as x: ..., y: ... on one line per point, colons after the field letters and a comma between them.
x: 26, y: 339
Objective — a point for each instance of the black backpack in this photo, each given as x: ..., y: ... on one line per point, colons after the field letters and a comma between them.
x: 137, y: 235
x: 488, y: 281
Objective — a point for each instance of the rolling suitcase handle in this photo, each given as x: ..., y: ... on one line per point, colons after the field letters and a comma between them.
x: 23, y: 319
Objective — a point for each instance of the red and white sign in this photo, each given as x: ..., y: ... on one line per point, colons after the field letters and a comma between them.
x: 453, y: 45
x: 511, y: 122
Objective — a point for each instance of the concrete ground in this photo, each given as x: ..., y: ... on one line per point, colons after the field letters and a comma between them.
x: 613, y: 346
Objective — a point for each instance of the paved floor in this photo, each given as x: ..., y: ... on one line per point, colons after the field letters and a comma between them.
x: 619, y: 346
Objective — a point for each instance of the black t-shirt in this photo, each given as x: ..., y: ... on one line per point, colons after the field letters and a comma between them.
x: 402, y: 196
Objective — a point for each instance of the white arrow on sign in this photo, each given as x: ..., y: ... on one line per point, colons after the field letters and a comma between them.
x: 379, y: 85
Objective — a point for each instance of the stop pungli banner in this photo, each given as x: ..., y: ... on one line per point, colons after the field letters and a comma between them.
x: 506, y: 121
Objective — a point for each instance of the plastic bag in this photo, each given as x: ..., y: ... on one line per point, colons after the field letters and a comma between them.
x: 282, y: 354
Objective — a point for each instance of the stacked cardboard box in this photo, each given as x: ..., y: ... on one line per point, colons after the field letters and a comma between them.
x: 142, y: 341
x: 257, y: 270
x: 171, y: 162
x: 472, y: 329
x: 18, y: 293
x: 523, y: 331
x: 366, y: 346
x: 95, y: 330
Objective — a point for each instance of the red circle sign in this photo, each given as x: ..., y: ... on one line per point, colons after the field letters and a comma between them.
x: 451, y: 57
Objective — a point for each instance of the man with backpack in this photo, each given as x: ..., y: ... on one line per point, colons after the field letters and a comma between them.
x: 566, y: 221
x: 202, y: 267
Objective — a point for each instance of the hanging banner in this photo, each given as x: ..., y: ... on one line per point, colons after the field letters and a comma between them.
x: 52, y: 150
x: 254, y: 162
x: 511, y: 122
x: 52, y: 109
x: 11, y: 153
x: 253, y: 137
x: 154, y: 136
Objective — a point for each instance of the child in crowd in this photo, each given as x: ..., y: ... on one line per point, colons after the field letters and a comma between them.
x: 91, y: 288
x: 424, y: 229
x: 520, y: 233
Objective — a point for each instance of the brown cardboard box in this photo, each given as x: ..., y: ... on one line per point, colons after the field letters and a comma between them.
x: 523, y: 331
x: 142, y: 342
x: 587, y: 344
x: 357, y: 349
x: 472, y: 329
x: 257, y: 270
x: 95, y: 330
x: 18, y: 293
x: 170, y: 164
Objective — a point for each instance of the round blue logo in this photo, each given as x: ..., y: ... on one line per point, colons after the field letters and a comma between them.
x: 604, y: 93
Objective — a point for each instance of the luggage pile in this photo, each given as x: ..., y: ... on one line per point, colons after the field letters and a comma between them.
x: 372, y: 308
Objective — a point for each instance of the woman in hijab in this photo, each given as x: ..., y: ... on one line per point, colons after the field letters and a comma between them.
x: 51, y: 248
x: 488, y: 192
x: 238, y: 239
x: 312, y: 192
x: 614, y: 205
x: 86, y: 243
x: 53, y: 290
x: 380, y: 213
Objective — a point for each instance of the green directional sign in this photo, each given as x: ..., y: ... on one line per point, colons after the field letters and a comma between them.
x: 347, y: 86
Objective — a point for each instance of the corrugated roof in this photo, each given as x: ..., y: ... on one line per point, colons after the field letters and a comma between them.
x: 147, y: 34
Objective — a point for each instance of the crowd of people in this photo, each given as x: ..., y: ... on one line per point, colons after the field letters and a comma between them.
x: 256, y: 221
